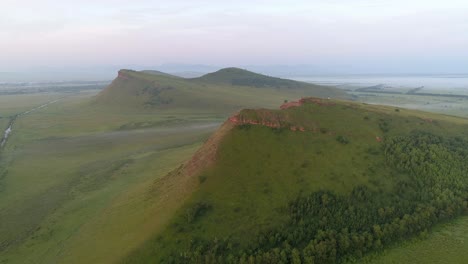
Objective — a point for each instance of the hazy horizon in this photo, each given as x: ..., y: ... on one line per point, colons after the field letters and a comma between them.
x: 347, y: 37
x: 298, y: 72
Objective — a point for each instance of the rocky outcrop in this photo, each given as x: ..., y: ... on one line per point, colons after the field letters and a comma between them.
x: 206, y: 155
x: 266, y: 120
x: 317, y: 101
x: 123, y: 74
x: 279, y: 119
x: 262, y: 117
x: 290, y: 104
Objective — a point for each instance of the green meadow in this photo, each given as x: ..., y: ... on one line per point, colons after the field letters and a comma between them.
x: 457, y: 106
x: 79, y: 177
x: 71, y: 172
x: 447, y: 243
x: 94, y: 177
x: 240, y: 210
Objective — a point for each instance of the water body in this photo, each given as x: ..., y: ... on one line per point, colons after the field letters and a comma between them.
x: 5, y: 135
x: 9, y: 129
x: 455, y: 82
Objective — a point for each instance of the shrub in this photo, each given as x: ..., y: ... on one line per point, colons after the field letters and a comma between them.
x: 202, y: 178
x: 196, y: 210
x: 342, y: 139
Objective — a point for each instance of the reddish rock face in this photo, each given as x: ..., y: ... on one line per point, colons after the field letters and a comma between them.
x: 290, y: 104
x: 268, y: 121
x: 234, y: 119
x: 263, y: 121
x: 317, y: 101
x: 122, y: 75
x: 275, y: 119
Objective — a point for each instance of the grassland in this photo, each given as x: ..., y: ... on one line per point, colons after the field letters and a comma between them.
x: 79, y: 179
x: 447, y: 243
x: 260, y: 170
x: 72, y: 171
x: 457, y: 106
x: 13, y: 104
x: 222, y: 92
x: 83, y: 180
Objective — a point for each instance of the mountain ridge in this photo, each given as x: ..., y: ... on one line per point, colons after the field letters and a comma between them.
x: 226, y: 90
x: 239, y: 77
x: 274, y: 185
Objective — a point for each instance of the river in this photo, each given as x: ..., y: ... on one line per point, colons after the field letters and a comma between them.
x: 9, y: 129
x: 5, y: 135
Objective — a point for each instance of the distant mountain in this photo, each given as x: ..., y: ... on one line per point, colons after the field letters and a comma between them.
x: 319, y: 181
x: 153, y: 72
x: 223, y: 91
x: 188, y: 74
x: 240, y: 77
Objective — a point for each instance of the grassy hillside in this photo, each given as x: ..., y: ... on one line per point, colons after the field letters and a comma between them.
x: 224, y: 91
x: 80, y: 180
x: 158, y: 73
x: 76, y: 181
x: 240, y: 77
x: 447, y: 243
x: 321, y: 181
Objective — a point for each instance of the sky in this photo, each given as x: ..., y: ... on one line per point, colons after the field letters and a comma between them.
x: 335, y: 35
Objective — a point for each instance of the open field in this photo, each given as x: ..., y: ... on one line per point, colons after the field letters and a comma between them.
x: 79, y: 180
x: 447, y: 243
x: 241, y: 206
x: 70, y: 172
x: 457, y: 106
x: 223, y: 92
x: 14, y: 104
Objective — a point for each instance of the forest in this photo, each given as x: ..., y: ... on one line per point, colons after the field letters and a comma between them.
x: 323, y: 227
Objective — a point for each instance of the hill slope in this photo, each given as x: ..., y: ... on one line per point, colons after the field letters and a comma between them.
x: 222, y: 92
x: 241, y: 77
x: 319, y: 181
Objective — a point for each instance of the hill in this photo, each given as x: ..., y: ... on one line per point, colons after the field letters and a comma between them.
x: 223, y: 91
x: 240, y: 77
x: 153, y: 72
x: 317, y: 181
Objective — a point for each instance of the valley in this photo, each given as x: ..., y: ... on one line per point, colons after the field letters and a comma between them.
x: 9, y: 129
x: 132, y: 172
x: 82, y: 167
x: 233, y: 132
x: 65, y: 171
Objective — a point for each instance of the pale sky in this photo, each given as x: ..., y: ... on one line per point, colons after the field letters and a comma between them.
x: 364, y: 34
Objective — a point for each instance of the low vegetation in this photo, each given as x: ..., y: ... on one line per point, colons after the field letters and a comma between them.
x: 224, y: 91
x: 446, y: 243
x: 92, y: 166
x: 283, y: 195
x: 98, y: 179
x: 71, y: 171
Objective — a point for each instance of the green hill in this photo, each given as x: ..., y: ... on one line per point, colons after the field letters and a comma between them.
x: 319, y: 181
x: 223, y: 91
x: 159, y: 73
x: 240, y: 77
